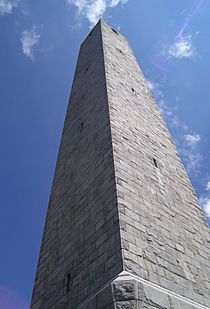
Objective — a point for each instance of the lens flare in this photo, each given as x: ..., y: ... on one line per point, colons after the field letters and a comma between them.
x: 189, y: 18
x: 10, y: 300
x: 163, y: 62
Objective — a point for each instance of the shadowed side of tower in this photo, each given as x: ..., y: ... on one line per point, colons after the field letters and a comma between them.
x: 123, y: 227
x: 81, y: 248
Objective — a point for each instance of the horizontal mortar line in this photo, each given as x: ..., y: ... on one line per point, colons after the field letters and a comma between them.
x: 164, y: 290
x: 120, y: 276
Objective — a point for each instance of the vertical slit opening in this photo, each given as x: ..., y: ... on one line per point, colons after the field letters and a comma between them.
x: 155, y: 162
x: 81, y: 127
x: 68, y: 283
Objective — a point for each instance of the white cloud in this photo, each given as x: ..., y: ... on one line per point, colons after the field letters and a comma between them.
x: 192, y: 139
x: 116, y: 2
x: 190, y: 152
x: 205, y: 204
x: 151, y: 85
x: 205, y: 201
x: 93, y: 10
x: 208, y: 186
x: 29, y: 39
x: 182, y: 48
x: 7, y: 6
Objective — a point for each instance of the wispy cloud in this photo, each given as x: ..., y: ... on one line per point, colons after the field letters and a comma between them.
x: 93, y: 10
x: 187, y: 143
x: 168, y: 113
x: 182, y: 48
x: 151, y: 85
x: 190, y: 152
x: 205, y: 200
x: 208, y: 186
x: 205, y: 204
x: 29, y: 39
x: 192, y: 139
x: 7, y: 6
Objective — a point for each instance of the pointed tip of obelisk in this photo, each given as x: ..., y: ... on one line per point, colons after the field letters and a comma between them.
x: 102, y: 26
x: 98, y: 27
x: 105, y: 25
x: 101, y: 22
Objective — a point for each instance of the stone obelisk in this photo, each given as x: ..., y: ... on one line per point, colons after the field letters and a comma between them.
x: 123, y: 227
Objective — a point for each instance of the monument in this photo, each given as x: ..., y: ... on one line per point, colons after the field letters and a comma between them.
x: 124, y: 228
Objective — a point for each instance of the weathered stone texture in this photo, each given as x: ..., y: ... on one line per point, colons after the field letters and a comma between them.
x: 127, y: 292
x: 165, y: 238
x: 121, y: 199
x: 81, y: 237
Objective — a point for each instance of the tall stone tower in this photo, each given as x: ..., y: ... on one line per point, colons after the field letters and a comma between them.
x: 123, y: 228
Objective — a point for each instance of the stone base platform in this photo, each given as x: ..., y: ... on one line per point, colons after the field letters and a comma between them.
x: 131, y: 292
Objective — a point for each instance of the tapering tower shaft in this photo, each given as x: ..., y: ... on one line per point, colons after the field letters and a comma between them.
x: 123, y: 227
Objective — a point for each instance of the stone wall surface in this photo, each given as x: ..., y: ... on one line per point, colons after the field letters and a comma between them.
x: 123, y: 227
x: 165, y: 238
x: 130, y: 292
x: 81, y: 248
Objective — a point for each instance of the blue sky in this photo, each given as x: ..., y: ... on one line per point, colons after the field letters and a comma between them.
x: 39, y: 46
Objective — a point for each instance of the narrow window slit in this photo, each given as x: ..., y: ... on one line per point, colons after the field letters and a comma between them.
x: 114, y: 31
x: 68, y: 283
x: 125, y: 138
x: 81, y: 127
x: 155, y: 162
x: 119, y: 50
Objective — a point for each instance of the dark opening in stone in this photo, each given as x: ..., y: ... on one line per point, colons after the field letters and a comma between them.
x: 81, y: 126
x: 155, y: 162
x: 68, y: 283
x: 114, y: 31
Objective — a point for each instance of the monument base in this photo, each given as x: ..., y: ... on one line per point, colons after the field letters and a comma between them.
x: 131, y: 292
